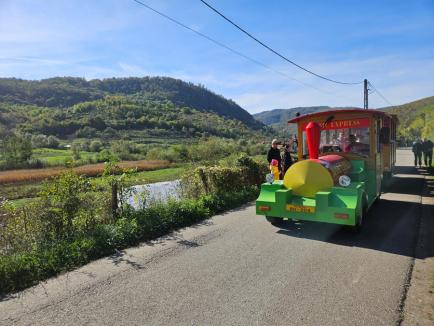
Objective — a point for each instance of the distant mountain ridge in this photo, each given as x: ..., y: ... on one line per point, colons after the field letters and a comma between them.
x: 278, y: 118
x: 62, y: 92
x: 416, y: 119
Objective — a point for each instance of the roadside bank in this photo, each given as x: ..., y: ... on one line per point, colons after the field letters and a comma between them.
x: 419, y: 303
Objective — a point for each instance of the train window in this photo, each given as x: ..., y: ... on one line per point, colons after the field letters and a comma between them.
x: 348, y: 140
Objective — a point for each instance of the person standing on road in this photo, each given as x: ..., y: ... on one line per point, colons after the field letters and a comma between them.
x: 287, y: 159
x: 427, y: 147
x: 417, y: 151
x: 274, y: 154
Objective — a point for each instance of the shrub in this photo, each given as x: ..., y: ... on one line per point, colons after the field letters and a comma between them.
x: 95, y: 146
x: 16, y: 150
x: 40, y: 141
x: 163, y: 153
x: 76, y: 149
x: 123, y: 149
x: 52, y: 142
x: 85, y: 146
x: 65, y: 206
x: 237, y: 173
x: 106, y: 156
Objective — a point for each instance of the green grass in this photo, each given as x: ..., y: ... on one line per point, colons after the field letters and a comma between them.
x: 21, y: 203
x: 55, y: 157
x: 19, y: 191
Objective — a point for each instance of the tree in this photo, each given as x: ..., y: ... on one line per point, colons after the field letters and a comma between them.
x: 85, y: 146
x: 52, y: 142
x: 76, y: 151
x: 122, y: 149
x: 39, y: 141
x: 95, y: 146
x: 16, y: 150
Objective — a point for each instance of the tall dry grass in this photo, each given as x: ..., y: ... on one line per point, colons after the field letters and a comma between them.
x: 91, y: 170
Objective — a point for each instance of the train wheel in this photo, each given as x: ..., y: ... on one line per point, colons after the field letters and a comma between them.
x: 360, y: 220
x: 274, y: 220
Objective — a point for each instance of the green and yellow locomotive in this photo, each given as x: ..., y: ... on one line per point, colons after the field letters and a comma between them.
x: 346, y: 158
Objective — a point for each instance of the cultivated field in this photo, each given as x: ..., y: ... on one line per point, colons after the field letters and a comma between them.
x: 91, y: 170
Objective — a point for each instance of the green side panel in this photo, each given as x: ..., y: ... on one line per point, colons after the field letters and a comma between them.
x: 371, y: 186
x: 358, y: 171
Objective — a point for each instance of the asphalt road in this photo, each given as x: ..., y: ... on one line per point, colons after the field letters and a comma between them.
x: 237, y: 269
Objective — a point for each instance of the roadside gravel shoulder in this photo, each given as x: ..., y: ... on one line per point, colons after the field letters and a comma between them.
x: 419, y: 303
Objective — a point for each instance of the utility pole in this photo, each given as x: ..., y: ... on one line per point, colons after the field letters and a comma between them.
x: 365, y: 93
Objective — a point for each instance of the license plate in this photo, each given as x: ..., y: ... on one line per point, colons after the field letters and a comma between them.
x: 300, y: 209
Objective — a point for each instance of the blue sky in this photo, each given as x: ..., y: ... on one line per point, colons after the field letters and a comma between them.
x: 389, y: 42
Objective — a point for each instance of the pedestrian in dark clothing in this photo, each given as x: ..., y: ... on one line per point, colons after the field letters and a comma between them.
x: 417, y: 151
x: 427, y: 147
x: 287, y: 159
x: 274, y: 154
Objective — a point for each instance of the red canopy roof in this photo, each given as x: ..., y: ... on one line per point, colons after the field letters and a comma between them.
x: 318, y: 114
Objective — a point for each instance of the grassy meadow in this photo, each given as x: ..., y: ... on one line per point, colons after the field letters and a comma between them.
x: 57, y: 157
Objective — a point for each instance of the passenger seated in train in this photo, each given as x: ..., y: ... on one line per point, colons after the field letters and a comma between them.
x: 356, y: 147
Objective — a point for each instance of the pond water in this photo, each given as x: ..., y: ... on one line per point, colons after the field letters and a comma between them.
x: 159, y: 191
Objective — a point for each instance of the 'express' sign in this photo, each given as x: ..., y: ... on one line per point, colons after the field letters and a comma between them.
x: 342, y: 124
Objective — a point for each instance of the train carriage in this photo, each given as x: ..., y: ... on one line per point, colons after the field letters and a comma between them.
x: 346, y: 158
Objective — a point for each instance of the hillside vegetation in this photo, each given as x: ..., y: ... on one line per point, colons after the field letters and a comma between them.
x: 119, y: 117
x: 123, y: 118
x: 416, y: 119
x: 63, y: 92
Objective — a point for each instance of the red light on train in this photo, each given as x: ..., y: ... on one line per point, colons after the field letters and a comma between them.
x: 342, y: 216
x: 264, y: 208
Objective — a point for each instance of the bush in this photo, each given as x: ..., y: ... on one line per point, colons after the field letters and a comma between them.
x: 106, y: 156
x: 160, y: 153
x: 235, y: 174
x: 211, y: 150
x: 16, y: 150
x: 65, y: 206
x: 95, y: 146
x: 85, y: 146
x: 52, y: 142
x: 76, y: 151
x: 122, y: 149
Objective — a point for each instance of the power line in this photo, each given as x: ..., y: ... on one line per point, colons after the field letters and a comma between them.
x: 227, y: 47
x: 274, y: 51
x: 379, y: 93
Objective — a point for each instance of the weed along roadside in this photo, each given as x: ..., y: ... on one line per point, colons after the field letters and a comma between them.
x: 70, y: 224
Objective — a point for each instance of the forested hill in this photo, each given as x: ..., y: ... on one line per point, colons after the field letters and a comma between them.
x: 416, y: 119
x: 281, y: 116
x: 62, y: 92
